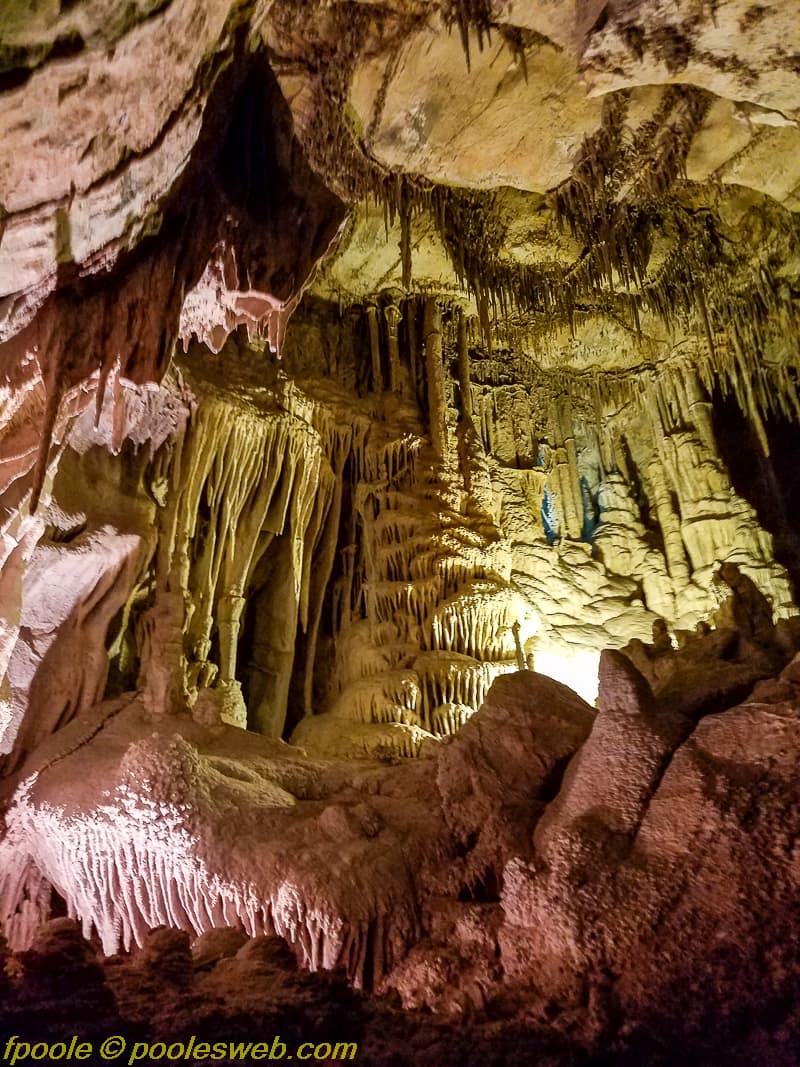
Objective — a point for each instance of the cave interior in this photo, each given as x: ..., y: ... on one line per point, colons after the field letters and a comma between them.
x: 400, y: 526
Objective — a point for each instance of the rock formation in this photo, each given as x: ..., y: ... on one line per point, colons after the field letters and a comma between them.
x: 367, y: 372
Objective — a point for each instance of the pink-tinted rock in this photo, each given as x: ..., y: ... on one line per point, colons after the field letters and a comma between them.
x: 505, y: 762
x: 610, y: 780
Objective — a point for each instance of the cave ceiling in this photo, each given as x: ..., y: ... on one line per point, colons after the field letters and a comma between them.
x: 594, y: 161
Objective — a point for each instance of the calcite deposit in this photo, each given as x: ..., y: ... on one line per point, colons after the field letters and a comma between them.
x: 398, y: 512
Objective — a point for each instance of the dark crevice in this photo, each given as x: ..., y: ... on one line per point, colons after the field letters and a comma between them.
x: 61, y: 535
x: 58, y: 906
x: 770, y: 484
x: 551, y: 786
x: 14, y: 78
x: 66, y: 46
x: 485, y: 889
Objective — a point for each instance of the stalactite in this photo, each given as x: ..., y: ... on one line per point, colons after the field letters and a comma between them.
x: 452, y: 678
x: 137, y: 862
x: 477, y: 621
x: 241, y: 477
x: 467, y: 15
x: 565, y: 469
x: 701, y: 303
x: 322, y: 574
x: 405, y: 235
x: 669, y: 523
x: 390, y: 696
x: 623, y: 193
x: 410, y: 319
x: 448, y: 719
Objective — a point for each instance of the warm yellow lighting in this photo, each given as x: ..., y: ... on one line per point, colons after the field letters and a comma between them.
x: 575, y: 666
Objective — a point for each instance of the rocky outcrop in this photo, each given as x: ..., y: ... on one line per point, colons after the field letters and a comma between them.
x: 682, y: 834
x: 593, y: 295
x: 247, y: 997
x: 380, y: 831
x: 547, y: 860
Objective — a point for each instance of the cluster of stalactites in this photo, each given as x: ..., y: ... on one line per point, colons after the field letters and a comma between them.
x: 134, y: 864
x: 763, y: 385
x: 623, y: 195
x: 240, y: 477
x: 423, y: 613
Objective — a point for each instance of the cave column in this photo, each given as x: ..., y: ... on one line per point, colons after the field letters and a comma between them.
x: 411, y: 326
x: 393, y: 316
x: 437, y: 404
x: 375, y: 348
x: 321, y: 573
x: 663, y: 475
x: 464, y: 384
x: 566, y: 469
x: 670, y: 524
x: 698, y: 407
x: 229, y: 617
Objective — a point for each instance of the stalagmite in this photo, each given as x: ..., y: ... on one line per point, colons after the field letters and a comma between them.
x: 163, y: 675
x: 521, y: 662
x: 229, y: 615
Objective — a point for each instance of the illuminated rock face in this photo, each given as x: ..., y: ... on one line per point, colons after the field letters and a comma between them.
x: 364, y: 369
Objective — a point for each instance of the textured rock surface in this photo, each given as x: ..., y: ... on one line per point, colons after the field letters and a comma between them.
x: 423, y: 111
x: 627, y: 880
x: 536, y: 407
x: 249, y: 996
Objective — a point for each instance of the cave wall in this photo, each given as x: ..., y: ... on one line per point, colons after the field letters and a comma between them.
x: 538, y: 448
x: 287, y: 545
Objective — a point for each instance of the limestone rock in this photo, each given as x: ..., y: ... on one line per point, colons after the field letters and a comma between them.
x: 405, y: 107
x: 506, y: 759
x: 731, y: 52
x: 216, y: 944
